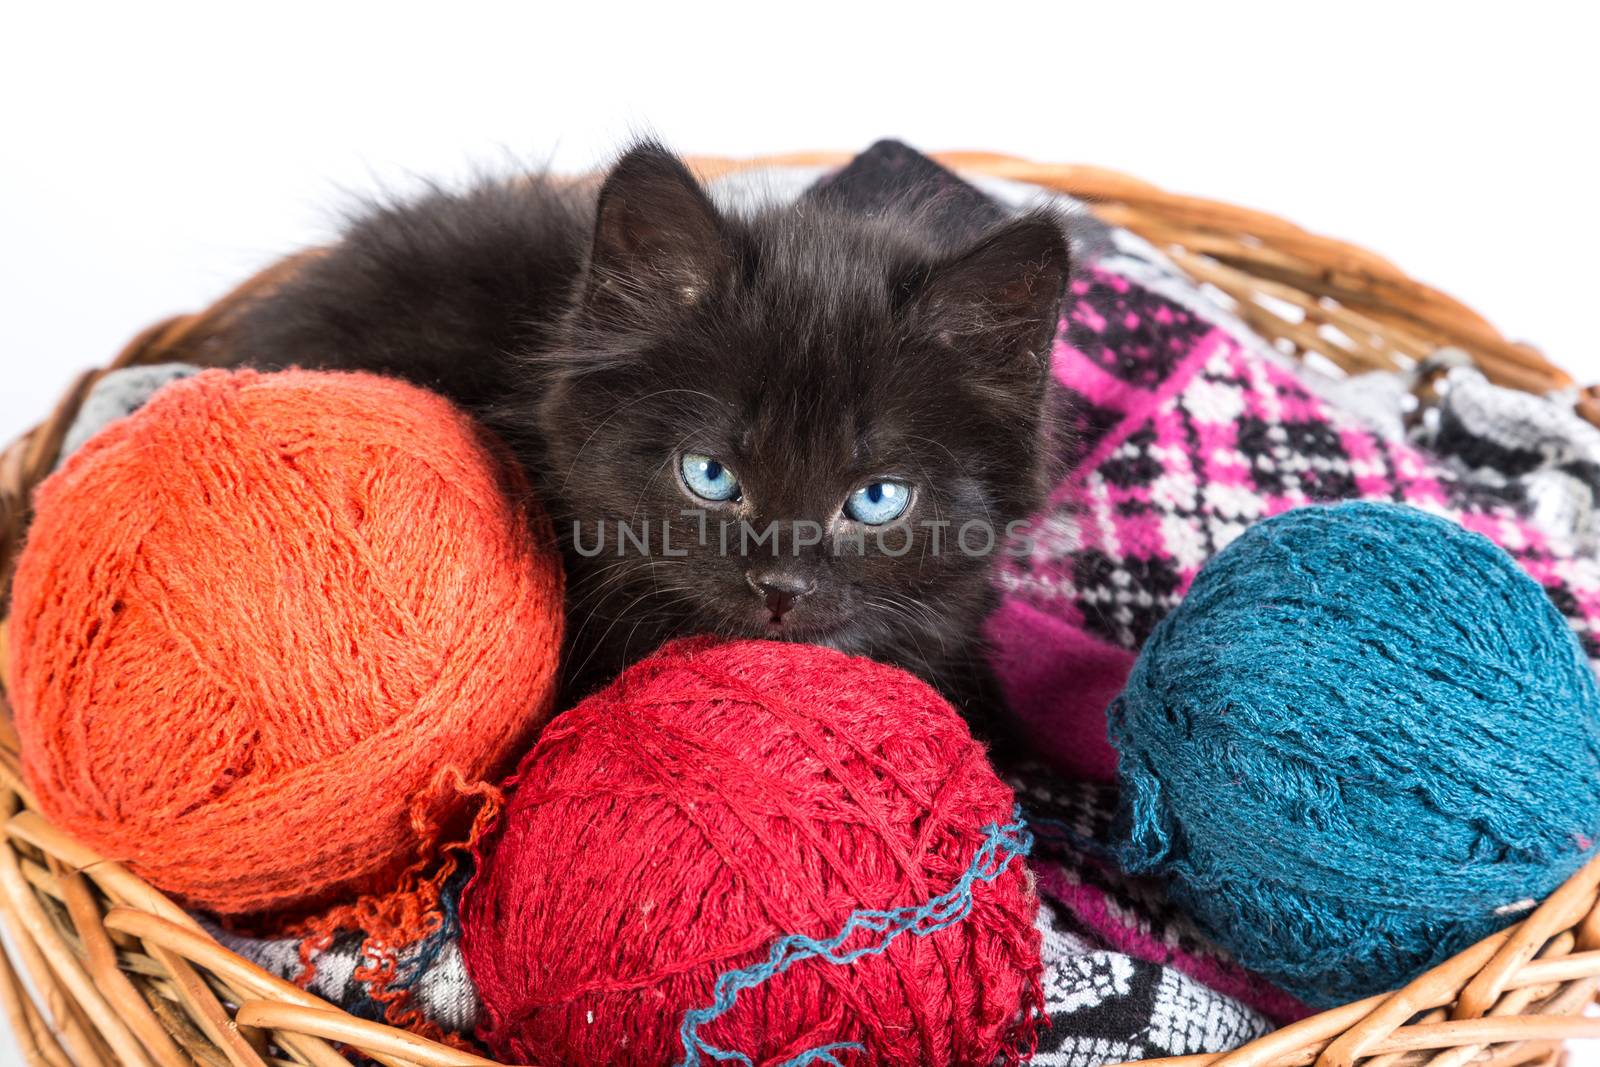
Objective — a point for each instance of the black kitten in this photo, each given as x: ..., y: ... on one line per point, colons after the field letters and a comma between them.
x: 810, y: 423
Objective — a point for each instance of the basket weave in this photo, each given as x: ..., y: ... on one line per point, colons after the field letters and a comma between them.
x: 119, y: 974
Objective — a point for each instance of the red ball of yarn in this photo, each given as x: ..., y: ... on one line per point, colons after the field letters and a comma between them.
x: 714, y: 799
x: 268, y: 631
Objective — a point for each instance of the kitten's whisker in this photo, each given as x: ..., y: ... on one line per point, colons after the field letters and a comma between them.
x: 615, y: 576
x: 668, y: 456
x: 897, y: 612
x: 578, y: 456
x: 614, y: 582
x: 596, y: 585
x: 930, y: 620
x: 988, y: 515
x: 613, y: 625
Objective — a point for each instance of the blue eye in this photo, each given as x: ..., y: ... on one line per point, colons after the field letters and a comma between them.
x: 708, y: 479
x: 878, y: 503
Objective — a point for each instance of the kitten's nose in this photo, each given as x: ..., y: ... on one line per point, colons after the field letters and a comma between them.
x: 780, y: 590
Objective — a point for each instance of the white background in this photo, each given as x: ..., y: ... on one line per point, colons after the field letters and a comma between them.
x: 150, y: 157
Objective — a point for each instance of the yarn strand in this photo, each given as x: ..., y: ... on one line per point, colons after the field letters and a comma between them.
x: 1002, y: 845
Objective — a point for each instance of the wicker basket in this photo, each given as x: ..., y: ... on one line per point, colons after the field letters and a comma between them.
x: 119, y: 974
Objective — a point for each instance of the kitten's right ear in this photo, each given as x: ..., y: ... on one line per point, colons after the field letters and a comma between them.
x: 658, y: 240
x: 1000, y: 300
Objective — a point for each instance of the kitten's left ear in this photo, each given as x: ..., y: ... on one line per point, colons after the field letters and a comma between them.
x: 658, y: 239
x: 1001, y: 299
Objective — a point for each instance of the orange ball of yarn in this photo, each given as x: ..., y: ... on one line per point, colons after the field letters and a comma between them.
x: 268, y: 630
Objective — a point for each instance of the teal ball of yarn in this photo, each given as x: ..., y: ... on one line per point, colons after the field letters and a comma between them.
x: 1365, y: 740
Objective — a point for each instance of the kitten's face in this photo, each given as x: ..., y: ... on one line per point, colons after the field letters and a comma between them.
x: 802, y: 427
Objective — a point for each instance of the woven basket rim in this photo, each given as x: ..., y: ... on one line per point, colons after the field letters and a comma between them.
x: 126, y: 976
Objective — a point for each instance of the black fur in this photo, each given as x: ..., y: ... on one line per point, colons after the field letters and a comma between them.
x: 810, y: 347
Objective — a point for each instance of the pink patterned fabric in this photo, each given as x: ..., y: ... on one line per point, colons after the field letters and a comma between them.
x: 1185, y: 437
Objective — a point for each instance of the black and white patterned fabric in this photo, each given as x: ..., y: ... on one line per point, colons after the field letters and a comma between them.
x: 1107, y: 1007
x: 1529, y: 449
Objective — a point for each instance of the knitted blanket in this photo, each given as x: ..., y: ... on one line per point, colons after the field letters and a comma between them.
x: 1190, y: 428
x: 1109, y: 1007
x: 423, y: 984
